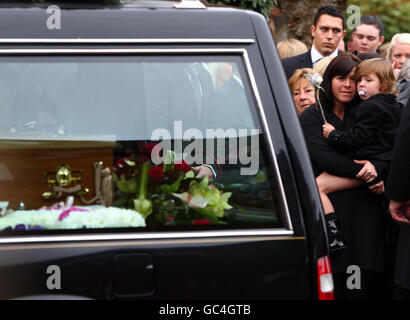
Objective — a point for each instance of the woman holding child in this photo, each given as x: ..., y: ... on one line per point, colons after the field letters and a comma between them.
x: 349, y: 185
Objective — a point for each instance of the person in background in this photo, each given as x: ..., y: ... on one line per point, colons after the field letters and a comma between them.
x: 350, y: 45
x: 368, y: 36
x: 221, y: 73
x: 399, y: 51
x: 374, y: 127
x: 403, y: 84
x: 302, y: 90
x: 321, y: 66
x: 359, y: 211
x: 384, y: 48
x: 341, y: 46
x: 327, y: 31
x: 291, y: 47
x: 398, y: 191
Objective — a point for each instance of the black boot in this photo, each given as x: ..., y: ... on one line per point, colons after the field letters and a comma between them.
x: 333, y: 231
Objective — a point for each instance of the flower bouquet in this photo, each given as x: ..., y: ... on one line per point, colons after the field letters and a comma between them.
x: 167, y: 193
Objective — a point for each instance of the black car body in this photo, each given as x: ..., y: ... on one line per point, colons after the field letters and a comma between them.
x: 277, y: 251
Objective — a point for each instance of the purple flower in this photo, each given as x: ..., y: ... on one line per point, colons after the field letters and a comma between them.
x: 23, y: 227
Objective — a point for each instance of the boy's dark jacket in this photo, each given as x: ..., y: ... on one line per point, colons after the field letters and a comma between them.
x: 374, y: 128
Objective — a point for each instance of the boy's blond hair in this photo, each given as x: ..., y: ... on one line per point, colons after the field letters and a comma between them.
x: 383, y: 70
x: 321, y: 66
x: 291, y: 48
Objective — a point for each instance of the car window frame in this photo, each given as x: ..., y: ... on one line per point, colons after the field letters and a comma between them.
x: 286, y: 230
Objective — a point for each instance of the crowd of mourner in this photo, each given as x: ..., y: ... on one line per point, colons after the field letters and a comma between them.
x: 353, y: 106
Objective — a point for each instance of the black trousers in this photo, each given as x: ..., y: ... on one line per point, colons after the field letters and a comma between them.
x: 400, y: 293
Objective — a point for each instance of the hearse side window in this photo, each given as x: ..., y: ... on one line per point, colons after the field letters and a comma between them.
x: 102, y: 142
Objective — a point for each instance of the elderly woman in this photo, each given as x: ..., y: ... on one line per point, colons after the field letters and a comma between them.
x: 359, y: 212
x: 303, y: 92
x: 399, y: 51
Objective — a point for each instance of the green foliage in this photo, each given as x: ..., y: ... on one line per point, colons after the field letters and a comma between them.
x: 393, y: 13
x: 262, y: 6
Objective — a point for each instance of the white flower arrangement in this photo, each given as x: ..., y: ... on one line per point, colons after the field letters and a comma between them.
x: 316, y: 81
x: 88, y: 217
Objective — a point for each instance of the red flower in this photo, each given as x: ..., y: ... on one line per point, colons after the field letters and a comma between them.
x: 120, y: 164
x: 122, y: 168
x: 156, y: 173
x: 183, y: 166
x: 199, y: 222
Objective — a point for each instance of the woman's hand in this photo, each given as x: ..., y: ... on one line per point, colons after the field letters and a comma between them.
x: 368, y: 173
x: 377, y: 188
x: 327, y: 129
x: 203, y: 171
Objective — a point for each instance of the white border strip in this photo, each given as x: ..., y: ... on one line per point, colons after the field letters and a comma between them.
x: 122, y: 41
x: 160, y: 235
x: 116, y: 51
x: 147, y: 236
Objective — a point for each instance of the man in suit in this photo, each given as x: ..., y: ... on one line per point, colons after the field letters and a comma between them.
x: 327, y: 31
x: 398, y: 191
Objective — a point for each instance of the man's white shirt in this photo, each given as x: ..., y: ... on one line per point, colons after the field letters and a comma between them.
x: 316, y: 56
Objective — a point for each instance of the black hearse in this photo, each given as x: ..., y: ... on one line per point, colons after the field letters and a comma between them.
x: 88, y: 92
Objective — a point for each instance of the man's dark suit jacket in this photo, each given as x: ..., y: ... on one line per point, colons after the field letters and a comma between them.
x: 290, y: 64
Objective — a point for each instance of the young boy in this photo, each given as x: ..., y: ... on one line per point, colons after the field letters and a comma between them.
x: 370, y: 138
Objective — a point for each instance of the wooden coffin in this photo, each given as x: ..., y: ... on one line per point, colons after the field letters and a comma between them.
x: 26, y: 166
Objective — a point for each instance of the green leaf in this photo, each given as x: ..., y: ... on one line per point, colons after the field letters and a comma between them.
x: 124, y: 185
x: 171, y: 188
x: 143, y: 206
x: 259, y: 178
x: 189, y: 175
x: 169, y: 160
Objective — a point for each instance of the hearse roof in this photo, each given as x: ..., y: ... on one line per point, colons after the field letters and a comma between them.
x: 131, y: 19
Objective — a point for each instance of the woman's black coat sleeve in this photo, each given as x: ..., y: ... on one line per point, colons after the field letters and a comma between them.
x: 324, y: 158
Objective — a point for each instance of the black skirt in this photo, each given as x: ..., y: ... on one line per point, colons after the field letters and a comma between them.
x: 362, y: 215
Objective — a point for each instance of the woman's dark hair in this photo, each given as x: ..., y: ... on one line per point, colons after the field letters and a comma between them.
x: 370, y: 55
x: 339, y: 66
x: 372, y: 21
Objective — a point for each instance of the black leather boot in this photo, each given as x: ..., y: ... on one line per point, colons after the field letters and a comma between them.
x: 333, y: 231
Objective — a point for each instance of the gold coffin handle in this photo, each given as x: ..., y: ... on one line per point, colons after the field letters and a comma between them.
x: 62, y: 178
